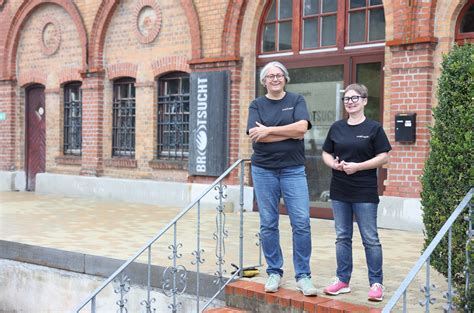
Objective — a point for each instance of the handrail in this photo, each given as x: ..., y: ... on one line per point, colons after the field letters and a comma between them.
x: 427, y: 253
x: 92, y: 297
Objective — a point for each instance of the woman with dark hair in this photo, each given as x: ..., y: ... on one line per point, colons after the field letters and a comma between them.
x: 276, y: 124
x: 354, y: 149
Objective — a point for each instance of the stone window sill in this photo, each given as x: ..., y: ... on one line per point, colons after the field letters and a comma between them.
x: 169, y: 164
x: 69, y: 160
x: 121, y: 162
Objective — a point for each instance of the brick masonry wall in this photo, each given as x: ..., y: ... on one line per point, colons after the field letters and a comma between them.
x: 125, y: 55
x: 7, y: 127
x: 411, y: 72
x: 415, y: 45
x: 411, y: 91
x: 211, y: 18
x: 34, y: 66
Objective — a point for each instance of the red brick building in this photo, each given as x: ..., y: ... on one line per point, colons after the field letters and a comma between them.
x: 101, y: 88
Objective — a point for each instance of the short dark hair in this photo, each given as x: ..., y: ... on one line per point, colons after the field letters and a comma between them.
x: 359, y: 88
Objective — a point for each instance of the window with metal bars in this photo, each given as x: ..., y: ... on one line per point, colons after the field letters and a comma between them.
x: 123, y: 125
x: 173, y: 117
x: 72, y: 144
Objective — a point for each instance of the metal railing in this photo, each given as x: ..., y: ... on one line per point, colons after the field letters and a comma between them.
x: 174, y: 282
x: 425, y: 260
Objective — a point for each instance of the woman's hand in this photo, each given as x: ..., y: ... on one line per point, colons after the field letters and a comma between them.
x: 350, y: 167
x: 337, y: 165
x: 259, y: 132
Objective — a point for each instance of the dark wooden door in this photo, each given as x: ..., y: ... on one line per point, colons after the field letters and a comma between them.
x: 368, y: 70
x: 35, y: 135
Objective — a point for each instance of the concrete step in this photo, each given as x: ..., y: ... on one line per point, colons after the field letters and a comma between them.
x: 251, y: 296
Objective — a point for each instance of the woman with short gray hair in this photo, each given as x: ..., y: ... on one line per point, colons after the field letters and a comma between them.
x: 276, y: 124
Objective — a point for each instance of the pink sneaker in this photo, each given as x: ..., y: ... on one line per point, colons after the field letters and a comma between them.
x: 376, y: 292
x: 337, y: 287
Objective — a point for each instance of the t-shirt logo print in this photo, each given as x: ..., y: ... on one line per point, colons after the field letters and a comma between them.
x: 362, y: 136
x: 287, y: 109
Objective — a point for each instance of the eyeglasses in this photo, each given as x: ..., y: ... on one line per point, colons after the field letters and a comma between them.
x: 353, y: 99
x: 273, y: 76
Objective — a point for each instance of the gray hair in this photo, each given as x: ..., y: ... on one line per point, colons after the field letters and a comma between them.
x: 265, y: 69
x: 359, y: 88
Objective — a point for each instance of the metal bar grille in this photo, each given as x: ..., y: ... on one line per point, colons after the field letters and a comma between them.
x: 72, y: 120
x: 173, y: 127
x: 123, y: 127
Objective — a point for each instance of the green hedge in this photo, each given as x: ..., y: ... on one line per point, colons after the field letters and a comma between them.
x: 448, y: 173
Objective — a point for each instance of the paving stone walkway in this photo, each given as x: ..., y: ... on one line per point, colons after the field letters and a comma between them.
x: 118, y: 230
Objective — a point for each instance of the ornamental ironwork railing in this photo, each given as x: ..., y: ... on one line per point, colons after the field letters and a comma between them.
x: 175, y: 278
x: 427, y: 289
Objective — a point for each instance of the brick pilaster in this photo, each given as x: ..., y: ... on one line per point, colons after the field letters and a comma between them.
x: 412, y: 90
x: 7, y: 126
x: 92, y: 123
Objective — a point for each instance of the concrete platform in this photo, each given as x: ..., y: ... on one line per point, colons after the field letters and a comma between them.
x: 117, y: 230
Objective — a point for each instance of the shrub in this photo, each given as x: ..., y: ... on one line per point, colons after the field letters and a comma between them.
x: 448, y: 173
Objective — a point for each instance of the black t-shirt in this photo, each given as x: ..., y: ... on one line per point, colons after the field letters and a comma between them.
x: 355, y: 143
x: 290, y: 109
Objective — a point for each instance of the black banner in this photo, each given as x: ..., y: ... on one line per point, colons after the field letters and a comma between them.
x: 208, y: 144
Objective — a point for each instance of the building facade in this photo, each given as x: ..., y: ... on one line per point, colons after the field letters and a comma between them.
x: 105, y: 88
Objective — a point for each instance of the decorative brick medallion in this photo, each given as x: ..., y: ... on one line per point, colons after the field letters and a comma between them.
x: 50, y: 36
x: 148, y: 20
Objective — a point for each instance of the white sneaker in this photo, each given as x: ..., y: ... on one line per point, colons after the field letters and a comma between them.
x: 305, y: 285
x: 273, y: 283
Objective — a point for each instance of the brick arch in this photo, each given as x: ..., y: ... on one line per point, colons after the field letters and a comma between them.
x: 233, y: 27
x: 389, y: 20
x: 32, y: 77
x: 415, y: 21
x: 194, y: 27
x: 124, y: 69
x: 21, y: 16
x: 170, y: 64
x: 99, y: 29
x: 256, y: 20
x: 104, y: 16
x: 69, y: 74
x: 432, y: 17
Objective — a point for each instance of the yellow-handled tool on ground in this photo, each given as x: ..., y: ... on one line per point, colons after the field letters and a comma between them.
x: 247, y: 271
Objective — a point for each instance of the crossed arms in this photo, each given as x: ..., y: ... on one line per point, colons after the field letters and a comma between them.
x: 262, y: 133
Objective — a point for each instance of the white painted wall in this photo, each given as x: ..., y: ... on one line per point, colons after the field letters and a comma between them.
x: 29, y: 288
x: 139, y: 190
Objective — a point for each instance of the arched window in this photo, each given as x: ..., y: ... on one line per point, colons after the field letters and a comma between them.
x: 278, y: 27
x: 123, y: 124
x: 465, y: 24
x: 173, y: 117
x: 294, y: 26
x: 72, y: 140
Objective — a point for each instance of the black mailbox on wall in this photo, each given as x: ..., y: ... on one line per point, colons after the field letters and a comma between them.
x: 405, y: 127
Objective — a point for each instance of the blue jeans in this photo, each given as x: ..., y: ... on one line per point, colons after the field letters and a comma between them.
x: 366, y: 218
x: 291, y: 184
